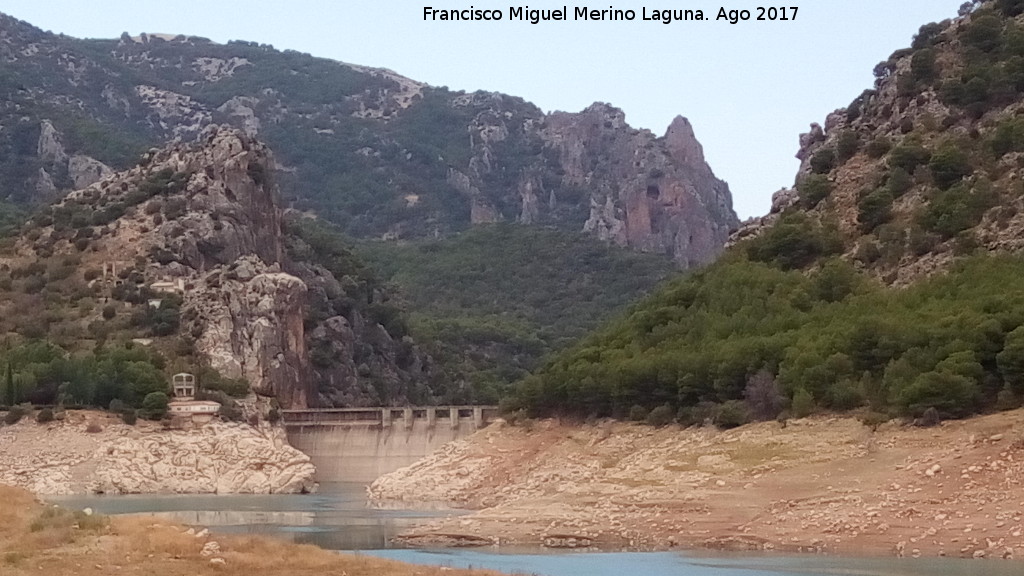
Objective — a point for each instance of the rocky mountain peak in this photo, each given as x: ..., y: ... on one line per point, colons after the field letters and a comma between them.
x: 606, y: 115
x: 383, y: 155
x: 683, y: 145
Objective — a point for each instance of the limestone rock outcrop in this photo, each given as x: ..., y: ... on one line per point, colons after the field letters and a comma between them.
x: 217, y: 458
x: 79, y: 170
x: 92, y: 451
x: 637, y: 190
x: 201, y: 223
x: 251, y: 316
x: 206, y: 224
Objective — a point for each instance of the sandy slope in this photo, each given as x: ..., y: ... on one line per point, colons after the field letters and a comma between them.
x: 828, y: 484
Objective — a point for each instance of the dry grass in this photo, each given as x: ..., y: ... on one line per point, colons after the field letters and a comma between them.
x: 36, y: 539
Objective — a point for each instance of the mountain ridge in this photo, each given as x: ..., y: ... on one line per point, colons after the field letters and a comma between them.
x: 374, y: 152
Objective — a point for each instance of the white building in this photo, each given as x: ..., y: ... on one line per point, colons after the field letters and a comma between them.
x: 184, y: 409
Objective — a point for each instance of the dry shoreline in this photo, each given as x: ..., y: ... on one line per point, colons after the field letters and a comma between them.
x: 64, y: 457
x: 39, y: 539
x: 821, y: 485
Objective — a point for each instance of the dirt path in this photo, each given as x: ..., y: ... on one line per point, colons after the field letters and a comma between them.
x: 824, y: 485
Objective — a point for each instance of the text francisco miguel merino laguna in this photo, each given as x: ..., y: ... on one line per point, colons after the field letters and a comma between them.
x: 612, y: 14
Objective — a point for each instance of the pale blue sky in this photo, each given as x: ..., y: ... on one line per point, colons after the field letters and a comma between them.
x: 749, y: 89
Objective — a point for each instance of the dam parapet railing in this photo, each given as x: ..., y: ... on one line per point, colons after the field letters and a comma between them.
x: 454, y: 417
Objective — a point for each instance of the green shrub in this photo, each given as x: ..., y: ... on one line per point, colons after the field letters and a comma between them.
x: 951, y: 395
x: 949, y: 165
x: 846, y: 395
x: 661, y: 416
x: 732, y: 414
x: 638, y: 413
x: 274, y: 415
x: 874, y: 419
x: 794, y: 242
x: 899, y: 182
x: 1007, y: 137
x: 823, y: 161
x: 847, y: 145
x: 210, y: 379
x: 44, y: 416
x: 878, y: 147
x: 697, y: 415
x: 834, y: 282
x: 1010, y: 7
x: 909, y: 156
x: 814, y: 188
x: 927, y: 36
x: 956, y: 209
x: 985, y: 32
x: 14, y: 415
x: 154, y: 406
x: 129, y: 417
x: 803, y: 403
x: 923, y: 67
x: 921, y: 242
x: 874, y: 209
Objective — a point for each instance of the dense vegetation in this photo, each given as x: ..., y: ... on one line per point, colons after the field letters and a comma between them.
x: 125, y: 378
x: 42, y: 373
x: 491, y: 302
x: 749, y: 337
x: 799, y: 318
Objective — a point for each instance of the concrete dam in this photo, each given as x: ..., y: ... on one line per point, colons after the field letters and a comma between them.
x: 360, y: 444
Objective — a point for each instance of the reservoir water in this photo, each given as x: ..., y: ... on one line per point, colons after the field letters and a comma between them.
x: 339, y: 518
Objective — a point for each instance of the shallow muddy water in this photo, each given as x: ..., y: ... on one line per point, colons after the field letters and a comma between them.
x: 339, y: 518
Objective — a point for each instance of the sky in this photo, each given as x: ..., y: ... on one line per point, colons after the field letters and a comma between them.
x: 749, y: 89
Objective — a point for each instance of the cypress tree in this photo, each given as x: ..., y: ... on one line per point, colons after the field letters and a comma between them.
x: 9, y: 386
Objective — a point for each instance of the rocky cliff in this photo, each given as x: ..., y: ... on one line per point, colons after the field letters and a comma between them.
x: 187, y: 252
x: 379, y: 154
x: 924, y: 167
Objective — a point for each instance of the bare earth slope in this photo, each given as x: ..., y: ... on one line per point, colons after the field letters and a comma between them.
x: 825, y: 485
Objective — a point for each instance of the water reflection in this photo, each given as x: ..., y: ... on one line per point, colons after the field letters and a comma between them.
x: 690, y: 564
x: 337, y: 518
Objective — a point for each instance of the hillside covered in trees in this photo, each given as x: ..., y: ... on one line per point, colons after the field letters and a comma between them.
x: 888, y: 282
x: 491, y: 302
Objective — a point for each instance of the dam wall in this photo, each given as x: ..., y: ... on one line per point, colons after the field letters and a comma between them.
x: 361, y: 444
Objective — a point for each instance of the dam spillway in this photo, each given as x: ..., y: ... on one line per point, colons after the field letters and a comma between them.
x: 360, y: 444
